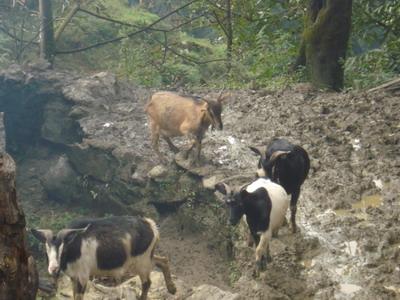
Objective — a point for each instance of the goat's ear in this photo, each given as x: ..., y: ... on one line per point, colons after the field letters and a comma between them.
x: 70, y: 234
x: 204, y: 107
x: 224, y: 97
x: 222, y: 188
x: 258, y: 150
x: 42, y: 234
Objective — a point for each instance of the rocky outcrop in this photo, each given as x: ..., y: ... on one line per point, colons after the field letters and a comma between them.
x: 95, y: 134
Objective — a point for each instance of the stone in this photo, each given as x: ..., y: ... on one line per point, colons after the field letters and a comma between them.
x: 57, y: 126
x: 93, y: 160
x: 158, y: 171
x: 210, y: 292
x: 61, y: 182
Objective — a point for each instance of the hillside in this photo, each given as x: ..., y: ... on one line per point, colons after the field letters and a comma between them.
x: 89, y: 153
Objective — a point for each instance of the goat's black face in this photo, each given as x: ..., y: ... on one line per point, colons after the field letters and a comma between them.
x: 236, y: 210
x: 215, y: 110
x: 233, y: 201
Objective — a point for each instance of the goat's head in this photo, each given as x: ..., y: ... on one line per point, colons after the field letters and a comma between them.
x: 265, y: 164
x: 56, y: 244
x: 234, y: 201
x: 214, y: 110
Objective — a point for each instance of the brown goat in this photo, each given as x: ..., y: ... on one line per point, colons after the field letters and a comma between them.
x: 171, y: 115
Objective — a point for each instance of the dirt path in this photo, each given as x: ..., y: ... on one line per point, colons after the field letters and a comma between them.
x: 193, y: 258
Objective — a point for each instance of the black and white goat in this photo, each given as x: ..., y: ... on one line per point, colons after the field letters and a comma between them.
x: 264, y: 203
x: 110, y: 247
x: 287, y: 165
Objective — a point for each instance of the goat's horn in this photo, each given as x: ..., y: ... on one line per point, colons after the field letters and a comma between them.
x: 64, y: 232
x: 223, y: 188
x: 276, y: 154
x: 220, y: 93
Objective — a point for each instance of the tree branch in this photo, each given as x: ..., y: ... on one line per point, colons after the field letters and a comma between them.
x: 225, y: 10
x: 137, y: 26
x: 220, y: 23
x: 9, y: 34
x: 128, y: 35
x: 188, y: 58
x: 116, y: 21
x: 185, y: 23
x: 67, y: 19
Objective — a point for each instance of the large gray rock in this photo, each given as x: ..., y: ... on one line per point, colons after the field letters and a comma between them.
x: 94, y: 160
x: 58, y: 126
x: 61, y: 182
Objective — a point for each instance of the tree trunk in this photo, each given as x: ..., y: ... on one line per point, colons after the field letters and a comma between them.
x: 18, y: 276
x: 47, y: 44
x: 325, y: 39
x: 229, y: 35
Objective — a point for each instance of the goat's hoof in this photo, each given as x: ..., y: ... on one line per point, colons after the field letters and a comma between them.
x: 294, y: 229
x: 171, y: 288
x: 259, y: 267
x: 263, y: 262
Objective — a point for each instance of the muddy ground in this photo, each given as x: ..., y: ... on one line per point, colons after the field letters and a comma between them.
x: 348, y: 246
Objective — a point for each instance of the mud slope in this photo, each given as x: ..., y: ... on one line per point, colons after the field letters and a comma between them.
x: 349, y: 245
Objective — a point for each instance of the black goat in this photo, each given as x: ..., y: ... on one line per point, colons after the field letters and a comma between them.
x: 287, y: 165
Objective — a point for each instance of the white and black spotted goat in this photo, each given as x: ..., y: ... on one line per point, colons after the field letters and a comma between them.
x: 287, y: 165
x: 264, y: 203
x: 112, y: 247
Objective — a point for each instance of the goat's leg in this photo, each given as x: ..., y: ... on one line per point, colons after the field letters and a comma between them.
x: 162, y: 263
x: 199, y: 138
x: 293, y: 208
x: 146, y: 283
x: 198, y: 148
x: 197, y: 145
x: 261, y: 250
x: 155, y: 140
x: 78, y: 289
x: 189, y: 149
x: 171, y: 145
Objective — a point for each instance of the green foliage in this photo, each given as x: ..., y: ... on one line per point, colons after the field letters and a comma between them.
x: 271, y: 59
x: 369, y: 69
x: 374, y: 55
x: 266, y: 37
